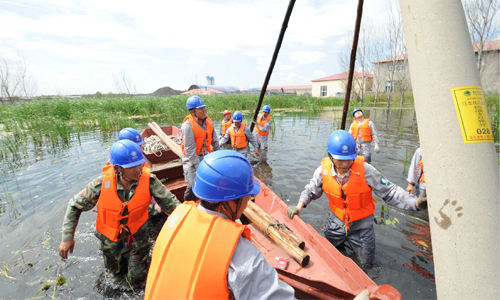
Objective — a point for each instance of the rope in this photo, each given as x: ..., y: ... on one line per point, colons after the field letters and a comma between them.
x: 154, y: 145
x: 277, y: 225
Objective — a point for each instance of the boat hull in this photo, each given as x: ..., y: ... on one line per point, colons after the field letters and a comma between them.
x: 329, y: 274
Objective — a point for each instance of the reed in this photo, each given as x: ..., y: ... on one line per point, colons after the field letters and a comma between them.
x: 53, y: 122
x: 492, y: 103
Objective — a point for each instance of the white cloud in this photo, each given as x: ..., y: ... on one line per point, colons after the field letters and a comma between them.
x: 233, y: 40
x: 256, y: 53
x: 196, y: 61
x: 319, y: 73
x: 291, y: 76
x: 307, y: 57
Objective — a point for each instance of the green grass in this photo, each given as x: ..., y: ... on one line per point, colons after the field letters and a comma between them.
x: 492, y: 103
x: 54, y: 121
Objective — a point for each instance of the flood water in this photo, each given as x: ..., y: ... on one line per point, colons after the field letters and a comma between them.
x: 35, y: 191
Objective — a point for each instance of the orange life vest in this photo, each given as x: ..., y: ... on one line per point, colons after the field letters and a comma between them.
x: 240, y: 137
x: 262, y: 123
x: 201, y: 136
x: 110, y: 208
x: 421, y: 166
x: 366, y: 133
x: 225, y: 125
x: 192, y: 255
x: 358, y: 203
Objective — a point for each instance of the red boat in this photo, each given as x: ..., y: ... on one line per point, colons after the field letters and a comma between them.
x: 328, y: 275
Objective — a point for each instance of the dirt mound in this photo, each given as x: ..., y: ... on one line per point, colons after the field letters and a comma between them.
x: 165, y: 91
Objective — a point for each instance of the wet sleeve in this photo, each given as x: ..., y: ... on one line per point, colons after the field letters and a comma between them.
x: 250, y: 276
x: 225, y: 138
x: 83, y: 201
x: 268, y: 126
x: 165, y: 199
x: 389, y: 192
x: 189, y: 143
x: 313, y: 190
x: 373, y: 129
x: 414, y: 171
x: 251, y: 138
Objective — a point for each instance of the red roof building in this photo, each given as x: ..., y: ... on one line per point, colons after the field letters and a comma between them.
x: 335, y: 85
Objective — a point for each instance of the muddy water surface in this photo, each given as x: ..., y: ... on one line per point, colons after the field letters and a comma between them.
x: 35, y: 191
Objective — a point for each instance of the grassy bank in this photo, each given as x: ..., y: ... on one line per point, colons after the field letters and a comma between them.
x: 54, y: 121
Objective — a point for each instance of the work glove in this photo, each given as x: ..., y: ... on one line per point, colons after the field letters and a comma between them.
x: 377, y: 148
x: 292, y: 211
x: 421, y: 202
x: 364, y: 295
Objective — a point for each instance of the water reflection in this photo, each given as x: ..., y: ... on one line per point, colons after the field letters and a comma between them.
x: 42, y: 181
x: 262, y: 169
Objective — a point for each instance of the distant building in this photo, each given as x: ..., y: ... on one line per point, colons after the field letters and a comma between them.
x: 210, y: 80
x: 398, y: 65
x: 391, y: 73
x: 204, y: 91
x: 335, y: 85
x: 287, y: 89
x: 220, y: 88
x: 490, y: 65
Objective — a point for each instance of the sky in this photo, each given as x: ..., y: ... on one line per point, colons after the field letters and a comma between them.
x: 77, y: 47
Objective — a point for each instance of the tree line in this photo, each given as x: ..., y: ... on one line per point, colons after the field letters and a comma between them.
x: 382, y: 49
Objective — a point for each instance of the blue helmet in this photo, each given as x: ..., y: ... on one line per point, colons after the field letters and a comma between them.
x: 194, y: 102
x: 356, y: 110
x: 342, y: 145
x: 130, y: 134
x: 237, y: 116
x: 126, y: 154
x: 224, y: 175
x: 266, y: 108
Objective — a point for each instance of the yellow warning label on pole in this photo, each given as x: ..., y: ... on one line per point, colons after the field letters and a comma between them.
x: 472, y: 114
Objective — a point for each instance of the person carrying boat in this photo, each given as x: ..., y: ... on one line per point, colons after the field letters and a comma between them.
x: 239, y: 134
x: 202, y: 252
x: 365, y: 132
x: 198, y: 139
x: 348, y: 182
x: 416, y: 179
x: 227, y: 121
x: 133, y: 135
x: 263, y: 127
x: 122, y: 194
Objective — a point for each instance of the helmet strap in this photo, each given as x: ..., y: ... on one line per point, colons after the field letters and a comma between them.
x: 121, y: 175
x: 333, y: 163
x: 234, y: 214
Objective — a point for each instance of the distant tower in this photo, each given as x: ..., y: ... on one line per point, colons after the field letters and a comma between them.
x: 210, y: 80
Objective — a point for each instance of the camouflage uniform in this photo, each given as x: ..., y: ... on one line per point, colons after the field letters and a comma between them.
x: 130, y: 254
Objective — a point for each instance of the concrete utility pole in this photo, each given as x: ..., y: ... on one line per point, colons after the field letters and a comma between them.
x: 460, y: 162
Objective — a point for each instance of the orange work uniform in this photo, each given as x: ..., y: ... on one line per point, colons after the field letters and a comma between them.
x: 352, y: 201
x: 366, y: 133
x: 110, y: 208
x: 238, y: 139
x: 201, y: 136
x: 262, y: 123
x: 192, y: 255
x: 225, y: 126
